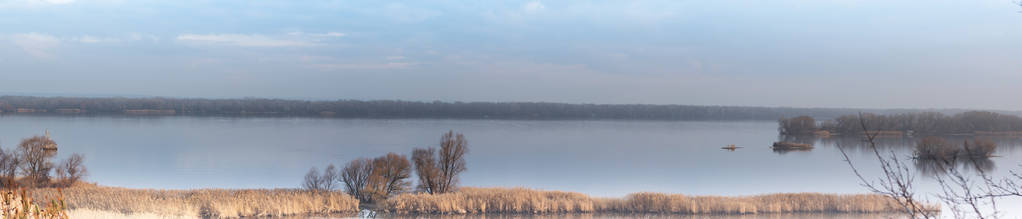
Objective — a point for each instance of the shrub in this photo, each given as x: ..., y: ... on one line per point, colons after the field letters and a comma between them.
x: 72, y: 169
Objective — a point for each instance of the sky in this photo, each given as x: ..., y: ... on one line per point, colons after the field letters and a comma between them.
x: 797, y: 53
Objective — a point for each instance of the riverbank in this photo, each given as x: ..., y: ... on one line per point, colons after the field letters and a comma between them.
x: 92, y: 201
x: 87, y: 199
x: 530, y: 201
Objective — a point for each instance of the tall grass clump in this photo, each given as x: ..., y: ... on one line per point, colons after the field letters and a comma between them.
x: 21, y: 203
x: 490, y: 200
x: 220, y: 203
x: 528, y: 201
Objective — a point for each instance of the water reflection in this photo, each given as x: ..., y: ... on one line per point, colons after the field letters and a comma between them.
x: 779, y: 150
x: 904, y: 147
x: 937, y: 167
x: 793, y: 143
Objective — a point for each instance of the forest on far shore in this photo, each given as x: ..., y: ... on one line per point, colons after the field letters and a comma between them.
x: 408, y: 109
x: 916, y: 123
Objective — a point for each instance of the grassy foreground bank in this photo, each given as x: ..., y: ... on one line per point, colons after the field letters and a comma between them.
x: 528, y: 201
x: 216, y: 203
x: 90, y: 201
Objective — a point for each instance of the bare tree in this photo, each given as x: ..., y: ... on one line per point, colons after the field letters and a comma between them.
x: 330, y: 178
x: 356, y: 178
x: 390, y: 174
x: 438, y: 172
x: 426, y: 169
x: 896, y: 179
x: 9, y: 164
x: 72, y: 169
x: 313, y: 181
x: 453, y: 148
x: 36, y: 154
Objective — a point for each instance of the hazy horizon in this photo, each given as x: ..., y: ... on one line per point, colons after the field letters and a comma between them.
x: 793, y: 53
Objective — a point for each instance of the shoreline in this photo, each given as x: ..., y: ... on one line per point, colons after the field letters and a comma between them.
x: 93, y: 199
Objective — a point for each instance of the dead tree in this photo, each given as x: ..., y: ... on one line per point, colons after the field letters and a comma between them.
x: 356, y: 178
x: 425, y: 168
x: 72, y: 169
x: 390, y: 174
x: 453, y: 148
x: 36, y: 154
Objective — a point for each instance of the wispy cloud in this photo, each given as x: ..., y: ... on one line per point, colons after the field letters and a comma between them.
x: 32, y: 3
x: 363, y: 66
x: 332, y: 63
x: 141, y: 36
x: 57, y: 2
x: 245, y: 40
x: 36, y: 44
x: 93, y: 39
x: 533, y: 6
x: 327, y: 34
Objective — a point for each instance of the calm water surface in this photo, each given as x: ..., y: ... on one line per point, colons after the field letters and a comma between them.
x: 601, y: 158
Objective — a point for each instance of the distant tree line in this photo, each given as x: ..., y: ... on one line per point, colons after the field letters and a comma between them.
x: 920, y: 123
x: 403, y: 109
x: 371, y: 180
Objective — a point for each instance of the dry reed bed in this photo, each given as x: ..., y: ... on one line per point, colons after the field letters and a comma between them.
x: 206, y: 202
x: 528, y: 201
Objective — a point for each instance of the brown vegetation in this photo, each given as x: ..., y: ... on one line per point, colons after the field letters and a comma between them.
x: 35, y: 154
x: 785, y: 145
x: 22, y: 204
x: 71, y: 170
x: 528, y: 201
x: 389, y: 177
x: 439, y: 174
x: 205, y: 202
x: 376, y: 179
x: 33, y: 159
x: 356, y: 178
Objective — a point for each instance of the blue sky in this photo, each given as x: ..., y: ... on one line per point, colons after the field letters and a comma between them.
x: 816, y: 53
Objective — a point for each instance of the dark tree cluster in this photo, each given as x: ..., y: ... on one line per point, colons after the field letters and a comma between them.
x: 375, y: 179
x: 797, y: 126
x: 920, y: 123
x: 402, y: 109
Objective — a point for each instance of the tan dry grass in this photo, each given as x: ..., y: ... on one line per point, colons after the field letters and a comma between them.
x: 205, y: 202
x: 98, y: 214
x: 528, y: 201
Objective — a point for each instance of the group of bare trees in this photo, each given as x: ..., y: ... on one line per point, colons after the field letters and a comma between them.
x: 378, y: 178
x: 33, y: 160
x: 966, y: 188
